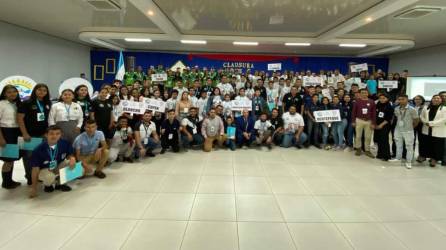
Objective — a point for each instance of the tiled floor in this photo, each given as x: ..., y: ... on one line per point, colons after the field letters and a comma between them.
x: 247, y: 199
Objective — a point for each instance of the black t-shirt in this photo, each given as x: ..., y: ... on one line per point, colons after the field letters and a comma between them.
x: 195, y: 122
x: 289, y: 100
x: 277, y: 122
x: 158, y: 120
x: 171, y: 129
x: 30, y: 109
x: 102, y: 112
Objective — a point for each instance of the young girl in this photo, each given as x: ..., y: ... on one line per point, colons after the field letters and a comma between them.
x: 230, y: 129
x: 325, y: 105
x: 67, y: 115
x: 124, y: 93
x: 215, y: 99
x: 227, y: 105
x: 347, y: 108
x: 338, y: 127
x: 102, y: 113
x: 32, y: 117
x: 249, y: 90
x: 9, y: 131
x: 82, y: 97
x: 182, y: 106
x: 384, y: 117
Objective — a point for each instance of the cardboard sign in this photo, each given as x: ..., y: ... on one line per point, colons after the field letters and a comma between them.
x: 159, y: 77
x: 326, y: 93
x: 327, y: 116
x: 388, y: 84
x: 240, y: 105
x: 155, y: 105
x: 275, y: 66
x: 133, y: 107
x: 312, y: 81
x: 23, y: 84
x: 359, y: 67
x: 67, y: 174
x: 72, y: 83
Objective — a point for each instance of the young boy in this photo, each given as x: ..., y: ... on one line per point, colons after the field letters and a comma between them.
x: 169, y: 132
x: 48, y: 158
x: 230, y: 133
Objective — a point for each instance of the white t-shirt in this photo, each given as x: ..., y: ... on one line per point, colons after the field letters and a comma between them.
x: 64, y: 112
x: 146, y: 131
x: 292, y: 122
x: 171, y: 104
x: 225, y: 88
x: 8, y: 112
x: 262, y: 126
x: 272, y: 95
x: 201, y: 104
x: 121, y: 135
x: 117, y: 111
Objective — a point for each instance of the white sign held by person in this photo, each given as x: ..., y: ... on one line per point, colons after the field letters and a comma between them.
x: 388, y: 84
x: 275, y: 66
x: 312, y: 81
x: 133, y: 107
x: 327, y: 115
x: 155, y: 105
x: 159, y: 77
x: 359, y: 67
x: 240, y: 105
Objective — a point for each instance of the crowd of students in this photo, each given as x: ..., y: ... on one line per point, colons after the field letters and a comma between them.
x: 96, y: 132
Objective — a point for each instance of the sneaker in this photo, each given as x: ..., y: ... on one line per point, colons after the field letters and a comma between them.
x: 163, y: 151
x: 150, y: 154
x: 394, y: 160
x: 358, y: 152
x: 327, y: 147
x: 99, y: 174
x: 369, y: 154
x: 48, y: 189
x: 128, y: 159
x: 318, y: 146
x: 63, y: 188
x: 421, y: 159
x: 269, y: 147
x: 298, y: 146
x: 408, y: 165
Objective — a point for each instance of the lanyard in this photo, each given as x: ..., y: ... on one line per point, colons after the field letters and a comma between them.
x: 52, y: 154
x: 403, y: 114
x: 68, y: 111
x: 40, y: 106
x: 146, y: 128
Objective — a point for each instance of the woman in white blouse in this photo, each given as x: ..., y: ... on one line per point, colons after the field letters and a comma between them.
x: 67, y: 115
x: 9, y: 131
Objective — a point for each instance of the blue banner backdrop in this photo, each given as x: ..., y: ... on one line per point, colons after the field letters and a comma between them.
x: 104, y: 63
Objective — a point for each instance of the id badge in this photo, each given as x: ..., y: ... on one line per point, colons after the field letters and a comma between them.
x: 381, y: 114
x: 257, y: 108
x: 194, y: 131
x: 365, y: 111
x: 53, y: 164
x: 212, y: 129
x: 185, y: 110
x: 146, y: 141
x: 40, y: 117
x: 170, y: 137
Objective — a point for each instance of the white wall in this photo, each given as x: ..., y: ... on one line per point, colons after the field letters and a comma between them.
x: 423, y: 62
x: 43, y: 58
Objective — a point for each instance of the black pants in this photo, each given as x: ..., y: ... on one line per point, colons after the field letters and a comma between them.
x: 382, y: 138
x: 166, y: 143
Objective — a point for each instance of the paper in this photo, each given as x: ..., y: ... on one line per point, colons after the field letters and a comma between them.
x: 155, y: 105
x: 388, y: 84
x: 10, y: 151
x: 32, y: 144
x: 327, y: 115
x: 159, y: 77
x: 230, y: 131
x: 312, y: 81
x: 67, y: 174
x: 359, y: 67
x: 133, y: 107
x: 240, y: 105
x: 274, y: 66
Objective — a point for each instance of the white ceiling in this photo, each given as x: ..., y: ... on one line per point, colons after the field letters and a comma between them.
x: 323, y: 23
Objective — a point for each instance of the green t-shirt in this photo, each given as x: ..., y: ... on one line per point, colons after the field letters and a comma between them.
x: 129, y: 78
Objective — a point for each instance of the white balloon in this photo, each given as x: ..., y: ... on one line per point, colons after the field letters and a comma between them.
x: 72, y: 83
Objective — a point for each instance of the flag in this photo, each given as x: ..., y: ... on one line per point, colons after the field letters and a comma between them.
x: 121, y: 68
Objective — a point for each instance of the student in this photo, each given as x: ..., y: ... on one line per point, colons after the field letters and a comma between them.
x: 272, y: 94
x: 102, y: 113
x: 146, y: 136
x: 88, y: 151
x: 259, y: 104
x: 124, y: 93
x: 171, y: 103
x: 230, y: 141
x: 277, y: 124
x: 406, y: 119
x: 169, y: 132
x: 117, y: 109
x: 347, y: 108
x: 9, y: 131
x: 338, y: 127
x: 190, y: 129
x: 212, y: 130
x: 313, y: 127
x: 263, y: 131
x: 227, y: 106
x: 82, y: 97
x: 67, y: 115
x: 182, y: 106
x: 245, y: 129
x: 202, y: 104
x: 215, y: 99
x: 32, y: 117
x: 293, y: 124
x: 434, y: 130
x: 292, y: 99
x: 48, y: 159
x: 325, y: 105
x: 364, y: 120
x: 121, y: 147
x: 384, y: 117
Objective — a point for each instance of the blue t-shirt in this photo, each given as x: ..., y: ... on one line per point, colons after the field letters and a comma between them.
x: 372, y: 86
x: 41, y: 154
x: 87, y: 144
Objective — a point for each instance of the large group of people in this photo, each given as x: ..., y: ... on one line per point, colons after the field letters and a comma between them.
x: 95, y: 131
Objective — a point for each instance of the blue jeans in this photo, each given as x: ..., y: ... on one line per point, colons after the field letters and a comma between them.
x: 313, y: 131
x: 230, y: 144
x: 325, y: 129
x: 197, y: 139
x: 338, y: 132
x: 349, y: 132
x: 289, y: 139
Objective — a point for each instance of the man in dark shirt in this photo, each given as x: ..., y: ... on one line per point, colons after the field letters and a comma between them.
x: 190, y: 129
x: 245, y: 129
x: 261, y: 88
x: 102, y: 113
x: 48, y: 158
x: 364, y: 120
x: 277, y: 123
x: 292, y: 99
x: 169, y: 132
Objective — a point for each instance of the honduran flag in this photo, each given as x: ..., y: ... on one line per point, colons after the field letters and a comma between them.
x: 121, y: 69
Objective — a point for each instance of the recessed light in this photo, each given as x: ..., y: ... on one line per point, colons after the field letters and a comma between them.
x: 297, y: 44
x: 353, y: 45
x: 369, y: 19
x: 246, y: 43
x: 193, y: 41
x: 150, y: 13
x: 138, y: 40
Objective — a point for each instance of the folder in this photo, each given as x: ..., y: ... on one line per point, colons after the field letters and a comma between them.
x: 32, y: 144
x: 230, y: 131
x: 66, y: 174
x: 10, y: 151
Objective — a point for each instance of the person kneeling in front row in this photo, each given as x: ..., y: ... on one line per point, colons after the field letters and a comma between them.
x: 122, y: 144
x: 88, y: 150
x: 146, y: 137
x: 48, y: 158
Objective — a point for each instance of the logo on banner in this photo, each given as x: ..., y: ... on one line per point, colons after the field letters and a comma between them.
x: 23, y: 84
x: 238, y: 65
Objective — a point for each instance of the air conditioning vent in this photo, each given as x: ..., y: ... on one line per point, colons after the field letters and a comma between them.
x: 418, y: 12
x: 104, y: 5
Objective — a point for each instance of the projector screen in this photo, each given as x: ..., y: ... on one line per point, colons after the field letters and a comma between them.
x: 425, y: 86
